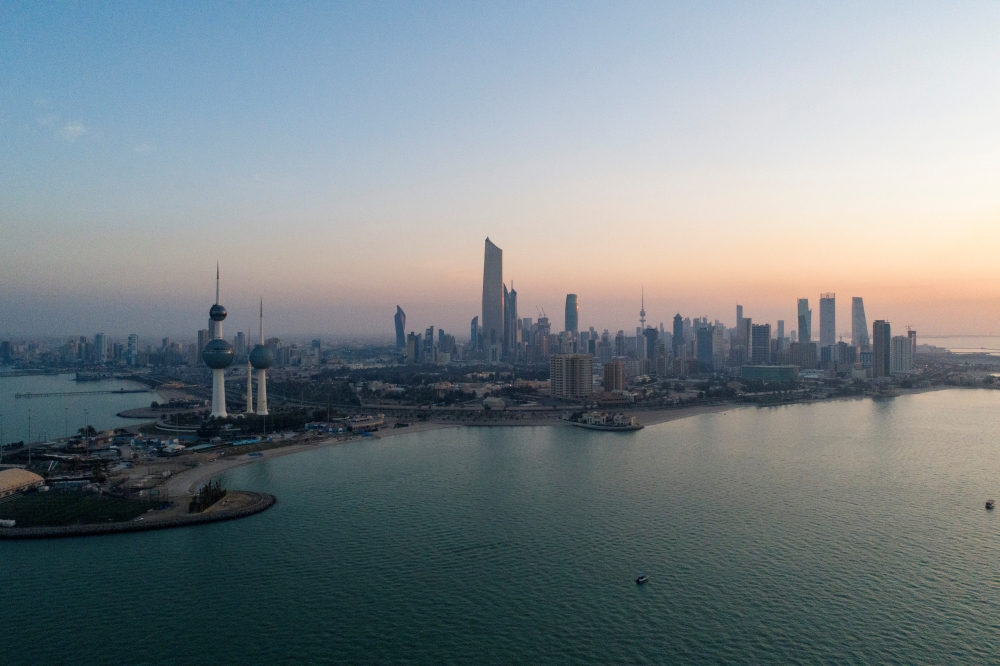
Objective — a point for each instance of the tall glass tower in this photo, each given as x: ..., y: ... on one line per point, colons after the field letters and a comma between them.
x: 400, y: 320
x: 827, y: 320
x: 859, y: 325
x: 493, y: 302
x: 572, y: 314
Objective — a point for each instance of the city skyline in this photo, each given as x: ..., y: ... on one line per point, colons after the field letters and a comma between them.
x: 795, y: 165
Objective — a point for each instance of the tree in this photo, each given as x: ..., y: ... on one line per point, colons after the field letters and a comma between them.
x: 88, y: 431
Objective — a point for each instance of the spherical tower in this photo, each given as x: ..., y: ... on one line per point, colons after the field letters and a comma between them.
x: 261, y: 358
x: 218, y: 354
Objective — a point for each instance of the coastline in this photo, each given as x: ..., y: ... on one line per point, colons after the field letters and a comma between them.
x: 188, y: 481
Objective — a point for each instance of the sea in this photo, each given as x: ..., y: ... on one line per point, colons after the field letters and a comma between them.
x: 964, y: 344
x: 55, y: 416
x: 849, y: 531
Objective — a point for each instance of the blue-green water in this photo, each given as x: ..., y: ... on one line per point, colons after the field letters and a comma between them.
x: 846, y: 532
x: 58, y: 416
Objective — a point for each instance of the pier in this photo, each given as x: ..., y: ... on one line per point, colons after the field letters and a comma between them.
x: 65, y: 393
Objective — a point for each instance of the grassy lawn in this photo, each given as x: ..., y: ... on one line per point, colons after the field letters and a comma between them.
x: 54, y: 509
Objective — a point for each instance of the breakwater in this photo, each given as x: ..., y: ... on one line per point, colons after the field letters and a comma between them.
x: 257, y: 502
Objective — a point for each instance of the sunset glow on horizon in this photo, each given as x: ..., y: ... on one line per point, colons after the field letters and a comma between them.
x: 338, y: 161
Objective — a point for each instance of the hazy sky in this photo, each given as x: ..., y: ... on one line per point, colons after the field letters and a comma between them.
x: 341, y: 159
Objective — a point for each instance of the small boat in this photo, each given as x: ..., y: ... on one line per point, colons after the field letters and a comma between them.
x: 641, y: 578
x: 989, y: 504
x: 255, y: 454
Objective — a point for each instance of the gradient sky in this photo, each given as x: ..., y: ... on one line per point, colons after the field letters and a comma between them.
x: 341, y: 159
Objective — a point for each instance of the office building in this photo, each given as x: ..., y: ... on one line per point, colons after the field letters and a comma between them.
x: 805, y: 321
x: 511, y: 323
x: 912, y: 335
x: 827, y: 320
x: 651, y: 344
x: 859, y: 324
x: 203, y: 339
x: 493, y: 289
x: 760, y: 344
x: 400, y: 321
x: 739, y: 317
x: 572, y: 314
x: 100, y: 348
x: 678, y: 340
x: 704, y: 341
x: 571, y: 376
x: 881, y: 348
x: 803, y: 355
x: 474, y: 333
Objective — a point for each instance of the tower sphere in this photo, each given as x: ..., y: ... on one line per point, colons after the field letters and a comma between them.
x: 217, y: 313
x: 261, y: 357
x: 218, y: 354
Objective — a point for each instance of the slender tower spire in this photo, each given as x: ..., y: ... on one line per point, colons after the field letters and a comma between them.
x: 261, y: 358
x: 642, y: 310
x: 249, y: 378
x: 216, y: 283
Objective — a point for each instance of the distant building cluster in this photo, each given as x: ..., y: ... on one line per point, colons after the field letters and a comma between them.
x: 687, y: 347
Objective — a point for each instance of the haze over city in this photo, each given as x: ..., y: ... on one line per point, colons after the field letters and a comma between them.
x: 339, y: 161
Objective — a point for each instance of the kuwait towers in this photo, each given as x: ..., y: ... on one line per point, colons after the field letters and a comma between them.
x: 218, y: 354
x: 261, y: 358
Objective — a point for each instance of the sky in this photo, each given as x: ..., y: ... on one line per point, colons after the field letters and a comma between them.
x: 338, y: 159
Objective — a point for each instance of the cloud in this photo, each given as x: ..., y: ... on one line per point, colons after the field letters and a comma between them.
x: 145, y: 147
x: 71, y: 131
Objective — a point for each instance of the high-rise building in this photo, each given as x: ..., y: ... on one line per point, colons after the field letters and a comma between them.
x: 100, y: 348
x: 400, y: 321
x: 132, y: 351
x: 572, y: 314
x: 760, y: 344
x: 859, y: 324
x: 240, y: 345
x: 474, y: 333
x: 571, y: 375
x: 678, y: 340
x: 827, y: 320
x: 881, y: 348
x: 901, y: 354
x: 781, y: 328
x: 510, y: 323
x: 203, y: 339
x: 805, y: 321
x: 413, y: 349
x: 912, y: 335
x: 739, y: 317
x: 429, y: 353
x: 493, y: 289
x: 703, y: 339
x: 651, y: 336
x: 614, y: 375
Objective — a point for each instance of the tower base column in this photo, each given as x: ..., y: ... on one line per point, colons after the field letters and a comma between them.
x: 219, y: 393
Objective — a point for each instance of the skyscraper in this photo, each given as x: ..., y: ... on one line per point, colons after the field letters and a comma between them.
x: 739, y: 317
x: 678, y: 340
x: 703, y: 337
x: 881, y: 348
x: 760, y: 344
x: 805, y: 321
x: 400, y: 320
x: 827, y: 320
x: 474, y: 333
x: 510, y: 321
x: 100, y: 348
x: 572, y: 314
x: 492, y: 302
x: 912, y: 335
x: 901, y: 354
x: 859, y: 324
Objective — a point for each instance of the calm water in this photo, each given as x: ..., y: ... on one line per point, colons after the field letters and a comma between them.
x: 964, y: 344
x: 848, y: 532
x: 52, y: 417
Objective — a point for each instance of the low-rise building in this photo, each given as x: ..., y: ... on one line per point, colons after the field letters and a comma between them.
x: 17, y: 481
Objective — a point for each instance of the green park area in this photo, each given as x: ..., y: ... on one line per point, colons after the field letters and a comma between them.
x: 56, y: 509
